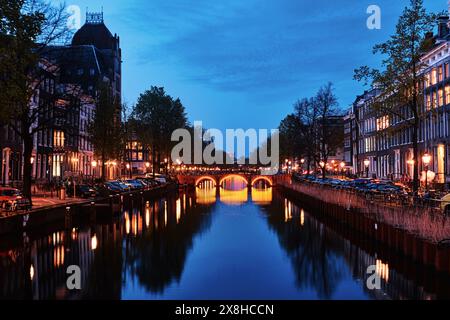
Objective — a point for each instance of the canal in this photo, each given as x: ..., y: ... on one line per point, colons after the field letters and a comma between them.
x: 227, y: 243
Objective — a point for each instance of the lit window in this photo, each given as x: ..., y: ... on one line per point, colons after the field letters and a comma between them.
x: 428, y: 101
x: 441, y: 97
x: 433, y: 77
x: 58, y: 138
x: 382, y: 123
x: 447, y: 94
x: 427, y: 80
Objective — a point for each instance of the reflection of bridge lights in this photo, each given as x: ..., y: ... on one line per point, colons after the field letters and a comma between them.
x: 94, y: 242
x: 178, y: 209
x: 147, y: 217
x: 262, y: 196
x: 135, y: 218
x: 31, y: 272
x: 58, y: 256
x: 205, y: 195
x: 165, y: 213
x: 74, y: 234
x: 127, y: 223
x: 302, y: 217
x: 233, y: 197
x: 382, y: 270
x: 287, y: 210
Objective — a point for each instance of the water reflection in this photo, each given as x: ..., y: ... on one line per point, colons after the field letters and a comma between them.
x: 187, y: 245
x: 323, y: 260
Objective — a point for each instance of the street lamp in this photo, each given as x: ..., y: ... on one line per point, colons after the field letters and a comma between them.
x: 342, y: 165
x: 94, y: 165
x: 426, y: 159
x: 322, y: 167
x: 147, y: 165
x: 366, y: 165
x: 128, y: 168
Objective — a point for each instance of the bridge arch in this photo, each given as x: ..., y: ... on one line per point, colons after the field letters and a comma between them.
x: 265, y: 178
x: 228, y: 176
x: 205, y: 178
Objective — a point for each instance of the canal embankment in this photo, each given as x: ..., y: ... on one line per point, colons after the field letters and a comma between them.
x: 100, y: 207
x: 419, y: 233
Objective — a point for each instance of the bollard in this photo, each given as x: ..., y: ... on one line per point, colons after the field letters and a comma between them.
x: 93, y: 213
x: 68, y: 218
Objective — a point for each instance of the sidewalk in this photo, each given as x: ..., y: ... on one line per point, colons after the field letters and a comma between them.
x: 43, y: 202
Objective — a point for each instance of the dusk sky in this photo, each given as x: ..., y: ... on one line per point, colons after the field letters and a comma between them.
x: 243, y: 63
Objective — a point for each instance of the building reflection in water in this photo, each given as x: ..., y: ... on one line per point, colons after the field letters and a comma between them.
x: 148, y: 244
x: 313, y: 249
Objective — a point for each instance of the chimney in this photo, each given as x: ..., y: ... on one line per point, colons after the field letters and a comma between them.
x: 443, y: 27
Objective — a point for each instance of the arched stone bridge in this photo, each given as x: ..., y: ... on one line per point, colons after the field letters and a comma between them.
x: 218, y: 179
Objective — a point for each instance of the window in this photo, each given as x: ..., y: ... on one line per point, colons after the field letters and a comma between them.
x: 447, y: 70
x: 440, y: 74
x: 447, y: 94
x: 382, y: 123
x: 58, y: 138
x: 433, y: 76
x: 80, y: 72
x: 427, y: 80
x: 57, y: 162
x: 441, y: 97
x: 428, y: 101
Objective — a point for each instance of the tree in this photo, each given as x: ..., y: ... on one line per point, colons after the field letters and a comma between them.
x: 307, y: 113
x: 329, y: 130
x: 291, y: 144
x: 157, y: 115
x: 106, y: 130
x: 27, y: 28
x: 401, y: 78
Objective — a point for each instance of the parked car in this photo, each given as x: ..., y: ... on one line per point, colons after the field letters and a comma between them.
x: 12, y: 199
x: 145, y: 182
x: 158, y: 177
x: 82, y: 191
x: 107, y: 188
x: 122, y: 186
x: 135, y: 184
x: 445, y: 204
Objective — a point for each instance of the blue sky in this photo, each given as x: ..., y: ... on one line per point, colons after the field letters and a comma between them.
x: 243, y: 63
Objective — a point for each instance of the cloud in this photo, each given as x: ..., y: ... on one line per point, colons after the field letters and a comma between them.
x: 248, y: 45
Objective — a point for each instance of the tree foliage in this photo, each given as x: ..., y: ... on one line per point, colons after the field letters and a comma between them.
x: 156, y: 116
x: 106, y: 130
x: 27, y: 28
x: 400, y: 80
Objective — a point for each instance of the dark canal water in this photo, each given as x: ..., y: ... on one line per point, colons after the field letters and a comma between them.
x: 232, y: 243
